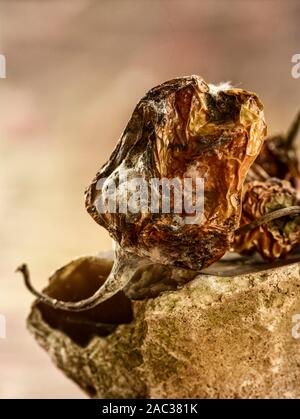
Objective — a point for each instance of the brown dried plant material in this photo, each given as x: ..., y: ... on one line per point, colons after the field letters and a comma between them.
x: 78, y: 280
x: 183, y: 128
x: 179, y: 129
x: 277, y: 237
x: 279, y: 156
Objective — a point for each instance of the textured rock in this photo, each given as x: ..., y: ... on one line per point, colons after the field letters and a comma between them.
x: 228, y: 337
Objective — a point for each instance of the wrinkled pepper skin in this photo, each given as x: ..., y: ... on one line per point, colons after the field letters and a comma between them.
x: 277, y: 238
x: 184, y: 128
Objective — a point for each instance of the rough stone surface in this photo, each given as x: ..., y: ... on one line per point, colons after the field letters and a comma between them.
x: 216, y: 337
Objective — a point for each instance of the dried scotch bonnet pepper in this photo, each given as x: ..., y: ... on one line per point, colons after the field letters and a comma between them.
x: 183, y: 128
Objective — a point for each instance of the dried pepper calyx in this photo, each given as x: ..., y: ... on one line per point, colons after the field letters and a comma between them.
x: 277, y: 237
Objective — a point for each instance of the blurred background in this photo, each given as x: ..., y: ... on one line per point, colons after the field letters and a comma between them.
x: 75, y: 70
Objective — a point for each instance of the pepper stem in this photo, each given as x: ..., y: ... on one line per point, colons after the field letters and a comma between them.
x: 266, y: 218
x: 122, y: 271
x: 293, y: 131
